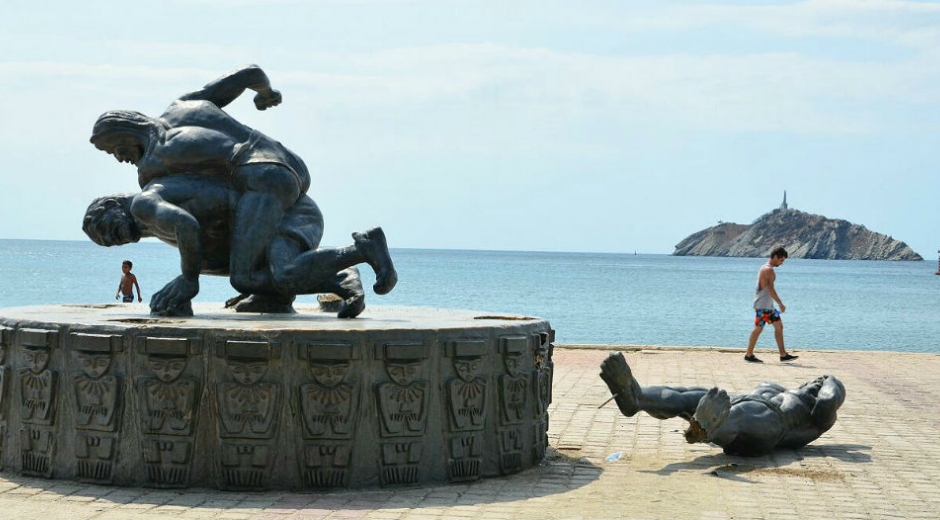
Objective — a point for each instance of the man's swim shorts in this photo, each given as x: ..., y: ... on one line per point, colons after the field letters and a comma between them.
x: 765, y: 316
x: 128, y: 298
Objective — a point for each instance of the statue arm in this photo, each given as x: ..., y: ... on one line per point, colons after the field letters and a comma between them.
x: 226, y: 89
x: 172, y: 224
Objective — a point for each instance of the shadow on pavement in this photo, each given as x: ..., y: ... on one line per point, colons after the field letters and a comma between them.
x: 734, y: 467
x: 558, y: 473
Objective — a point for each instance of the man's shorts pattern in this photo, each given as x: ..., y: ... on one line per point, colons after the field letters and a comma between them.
x: 765, y: 316
x: 128, y: 298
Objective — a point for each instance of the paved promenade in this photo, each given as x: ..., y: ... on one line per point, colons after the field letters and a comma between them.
x: 880, y: 460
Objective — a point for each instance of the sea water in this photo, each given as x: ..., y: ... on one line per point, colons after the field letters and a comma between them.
x: 587, y: 297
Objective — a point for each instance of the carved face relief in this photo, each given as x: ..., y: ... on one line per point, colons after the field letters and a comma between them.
x: 247, y: 372
x: 512, y: 362
x: 94, y: 365
x: 404, y: 373
x: 468, y: 368
x: 36, y: 360
x: 329, y: 374
x: 166, y: 369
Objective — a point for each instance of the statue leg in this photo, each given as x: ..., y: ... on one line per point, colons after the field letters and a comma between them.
x: 619, y: 378
x: 661, y: 402
x: 309, y: 272
x: 348, y: 286
x: 268, y: 190
x: 374, y: 248
x: 257, y: 216
x: 265, y: 297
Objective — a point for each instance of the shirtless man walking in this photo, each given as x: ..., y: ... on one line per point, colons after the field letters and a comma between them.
x: 764, y: 307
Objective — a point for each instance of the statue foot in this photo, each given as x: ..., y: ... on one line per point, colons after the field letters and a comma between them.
x: 266, y: 303
x: 350, y: 290
x: 373, y: 246
x: 231, y: 302
x: 619, y: 378
x: 183, y: 310
x: 352, y: 307
x: 712, y: 410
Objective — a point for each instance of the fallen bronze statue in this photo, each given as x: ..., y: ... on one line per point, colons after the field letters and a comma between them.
x: 767, y: 418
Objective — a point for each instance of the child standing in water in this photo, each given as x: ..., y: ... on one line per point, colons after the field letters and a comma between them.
x: 127, y: 284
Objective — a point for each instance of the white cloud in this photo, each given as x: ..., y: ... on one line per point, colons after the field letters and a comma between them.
x: 899, y: 22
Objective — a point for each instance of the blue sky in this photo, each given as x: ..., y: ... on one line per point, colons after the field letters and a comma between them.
x: 613, y: 126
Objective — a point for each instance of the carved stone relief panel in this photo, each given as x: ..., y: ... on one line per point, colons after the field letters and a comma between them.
x: 402, y: 402
x: 329, y: 404
x: 168, y: 399
x: 515, y: 400
x: 466, y: 405
x: 542, y: 383
x: 514, y: 383
x: 5, y: 342
x: 97, y: 404
x: 37, y: 385
x: 248, y: 408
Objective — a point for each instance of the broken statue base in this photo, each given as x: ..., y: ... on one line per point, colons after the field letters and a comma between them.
x: 107, y: 394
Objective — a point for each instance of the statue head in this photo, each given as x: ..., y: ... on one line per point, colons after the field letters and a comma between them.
x: 123, y: 134
x: 108, y: 221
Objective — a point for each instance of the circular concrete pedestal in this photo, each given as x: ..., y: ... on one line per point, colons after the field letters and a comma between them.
x: 400, y: 395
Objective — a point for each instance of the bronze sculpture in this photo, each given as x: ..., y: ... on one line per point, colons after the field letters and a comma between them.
x: 767, y: 418
x: 232, y: 200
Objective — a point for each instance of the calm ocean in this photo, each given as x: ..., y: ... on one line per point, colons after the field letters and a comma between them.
x: 587, y: 297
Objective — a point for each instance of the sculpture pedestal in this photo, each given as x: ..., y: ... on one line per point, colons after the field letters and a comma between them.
x: 401, y: 395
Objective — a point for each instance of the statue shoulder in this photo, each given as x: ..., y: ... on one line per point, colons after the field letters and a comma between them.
x: 190, y: 112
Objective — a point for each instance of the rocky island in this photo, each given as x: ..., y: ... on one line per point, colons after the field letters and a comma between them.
x: 803, y: 234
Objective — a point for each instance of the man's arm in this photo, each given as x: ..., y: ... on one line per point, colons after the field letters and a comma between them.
x: 137, y: 285
x: 226, y: 89
x: 769, y: 276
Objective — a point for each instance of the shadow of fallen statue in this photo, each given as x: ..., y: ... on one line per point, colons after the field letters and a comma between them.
x: 233, y: 201
x: 735, y: 468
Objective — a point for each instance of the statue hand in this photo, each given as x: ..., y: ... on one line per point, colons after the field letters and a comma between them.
x: 175, y: 299
x: 267, y: 99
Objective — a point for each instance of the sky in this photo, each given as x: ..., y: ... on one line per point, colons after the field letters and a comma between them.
x: 595, y: 126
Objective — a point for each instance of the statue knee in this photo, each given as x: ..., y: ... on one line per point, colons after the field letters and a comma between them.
x: 281, y: 278
x: 241, y: 282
